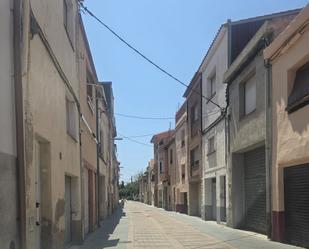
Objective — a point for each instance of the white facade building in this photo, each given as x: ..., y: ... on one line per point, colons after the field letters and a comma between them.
x: 212, y: 69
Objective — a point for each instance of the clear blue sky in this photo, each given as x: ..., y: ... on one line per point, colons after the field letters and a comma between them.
x: 175, y: 34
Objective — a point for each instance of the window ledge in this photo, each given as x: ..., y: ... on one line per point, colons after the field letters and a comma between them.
x: 245, y: 116
x: 298, y: 104
x: 72, y: 136
x: 212, y: 152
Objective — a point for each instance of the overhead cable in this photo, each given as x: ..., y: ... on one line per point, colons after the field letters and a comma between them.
x: 86, y: 10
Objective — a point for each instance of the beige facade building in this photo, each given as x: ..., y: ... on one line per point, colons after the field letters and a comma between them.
x: 52, y: 141
x: 160, y: 141
x: 53, y: 150
x: 171, y: 183
x: 288, y: 58
x: 147, y: 185
x: 87, y: 90
x: 194, y: 158
x: 181, y: 157
x: 151, y: 182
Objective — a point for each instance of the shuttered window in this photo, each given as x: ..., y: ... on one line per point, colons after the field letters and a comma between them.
x: 299, y: 96
x: 71, y: 120
x: 250, y: 96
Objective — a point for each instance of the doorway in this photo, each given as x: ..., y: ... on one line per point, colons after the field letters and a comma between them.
x: 68, y: 211
x: 214, y: 199
x: 38, y: 195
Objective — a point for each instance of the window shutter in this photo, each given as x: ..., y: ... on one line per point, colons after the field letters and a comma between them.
x: 299, y: 96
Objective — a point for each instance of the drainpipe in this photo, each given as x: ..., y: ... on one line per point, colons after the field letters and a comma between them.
x: 268, y: 146
x: 98, y: 156
x: 20, y: 12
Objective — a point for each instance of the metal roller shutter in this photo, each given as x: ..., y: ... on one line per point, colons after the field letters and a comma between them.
x: 255, y: 190
x: 296, y: 196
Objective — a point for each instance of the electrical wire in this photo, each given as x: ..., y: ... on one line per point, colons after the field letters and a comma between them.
x: 134, y: 141
x: 139, y: 117
x: 86, y: 10
x: 146, y: 135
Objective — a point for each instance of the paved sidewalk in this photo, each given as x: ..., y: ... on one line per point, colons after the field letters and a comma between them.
x: 142, y: 226
x: 112, y: 234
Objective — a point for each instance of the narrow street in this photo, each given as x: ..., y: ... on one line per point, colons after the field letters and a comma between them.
x: 142, y: 226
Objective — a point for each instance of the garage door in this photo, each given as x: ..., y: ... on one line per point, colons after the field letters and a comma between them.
x: 296, y: 196
x: 255, y: 190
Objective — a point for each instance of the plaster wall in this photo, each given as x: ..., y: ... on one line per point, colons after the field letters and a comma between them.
x: 45, y: 107
x: 87, y: 106
x: 290, y: 131
x: 214, y: 164
x: 7, y: 99
x: 247, y: 131
x: 181, y: 157
x: 8, y: 183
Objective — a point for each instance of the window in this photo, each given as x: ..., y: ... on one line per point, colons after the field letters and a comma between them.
x: 102, y: 145
x: 194, y: 113
x: 211, y: 145
x: 69, y: 20
x: 71, y: 119
x: 160, y: 167
x: 183, y: 172
x: 249, y: 96
x: 89, y: 86
x: 194, y: 157
x: 299, y: 96
x: 183, y: 138
x: 171, y: 156
x: 212, y: 86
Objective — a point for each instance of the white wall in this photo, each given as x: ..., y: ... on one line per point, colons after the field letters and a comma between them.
x: 214, y: 164
x: 7, y: 107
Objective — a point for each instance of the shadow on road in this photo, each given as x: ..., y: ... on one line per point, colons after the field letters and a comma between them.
x: 101, y: 238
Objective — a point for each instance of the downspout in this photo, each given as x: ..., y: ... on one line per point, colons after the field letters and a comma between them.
x: 228, y: 179
x: 98, y: 155
x: 20, y: 12
x: 81, y: 177
x: 268, y: 146
x: 81, y: 165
